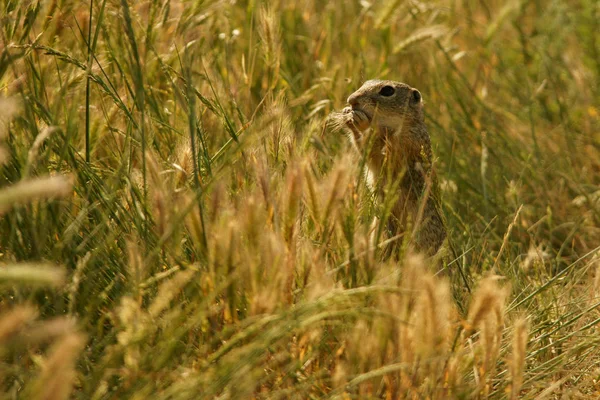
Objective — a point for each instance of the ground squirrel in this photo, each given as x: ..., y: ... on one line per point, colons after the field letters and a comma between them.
x: 386, y: 124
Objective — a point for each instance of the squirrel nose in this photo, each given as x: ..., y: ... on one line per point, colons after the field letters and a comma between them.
x: 352, y: 99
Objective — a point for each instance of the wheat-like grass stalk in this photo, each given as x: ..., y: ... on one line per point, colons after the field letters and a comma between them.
x: 34, y: 189
x: 517, y: 359
x: 36, y: 274
x: 59, y: 374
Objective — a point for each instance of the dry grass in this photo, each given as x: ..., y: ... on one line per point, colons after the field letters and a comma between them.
x: 181, y: 218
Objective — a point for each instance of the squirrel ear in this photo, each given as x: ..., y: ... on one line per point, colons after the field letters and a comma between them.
x: 416, y: 96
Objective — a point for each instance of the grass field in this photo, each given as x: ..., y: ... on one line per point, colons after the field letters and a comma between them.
x: 178, y: 221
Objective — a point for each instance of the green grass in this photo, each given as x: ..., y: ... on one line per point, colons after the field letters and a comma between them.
x: 178, y: 221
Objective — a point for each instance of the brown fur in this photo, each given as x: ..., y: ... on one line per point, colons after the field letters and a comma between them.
x: 390, y: 131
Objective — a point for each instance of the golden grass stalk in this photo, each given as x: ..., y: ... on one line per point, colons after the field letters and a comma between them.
x: 433, y: 311
x: 13, y: 321
x: 487, y: 300
x: 159, y: 201
x: 135, y: 267
x: 340, y: 375
x: 293, y: 194
x: 487, y: 313
x: 277, y: 125
x: 35, y: 189
x: 195, y: 227
x: 37, y: 143
x: 58, y: 375
x: 134, y: 323
x: 183, y: 165
x: 76, y: 279
x: 423, y: 342
x: 507, y: 235
x: 9, y: 107
x: 334, y: 189
x: 32, y: 274
x: 517, y: 359
x: 312, y: 201
x: 270, y: 35
x: 46, y: 331
x: 500, y: 19
x: 167, y: 292
x: 427, y: 33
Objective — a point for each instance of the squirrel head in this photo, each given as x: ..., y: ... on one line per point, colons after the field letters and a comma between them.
x: 389, y: 105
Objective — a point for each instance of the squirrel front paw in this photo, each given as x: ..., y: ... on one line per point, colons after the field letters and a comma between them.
x: 359, y: 120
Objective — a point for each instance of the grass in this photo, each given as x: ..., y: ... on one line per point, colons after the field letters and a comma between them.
x: 178, y: 221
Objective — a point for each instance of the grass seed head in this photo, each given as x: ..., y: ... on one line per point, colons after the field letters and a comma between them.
x: 31, y: 274
x: 486, y: 313
x: 35, y: 189
x: 337, y: 121
x: 37, y: 143
x: 432, y: 317
x: 14, y: 321
x: 161, y: 199
x: 168, y: 290
x: 49, y: 330
x: 58, y: 375
x: 135, y: 266
x: 184, y: 165
x: 517, y: 358
x: 9, y: 107
x: 270, y: 36
x: 292, y: 202
x: 488, y: 301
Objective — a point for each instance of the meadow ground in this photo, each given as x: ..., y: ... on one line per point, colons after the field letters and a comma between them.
x: 178, y: 221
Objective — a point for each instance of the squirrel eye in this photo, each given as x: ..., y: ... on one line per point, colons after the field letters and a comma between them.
x: 416, y: 96
x: 387, y: 91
